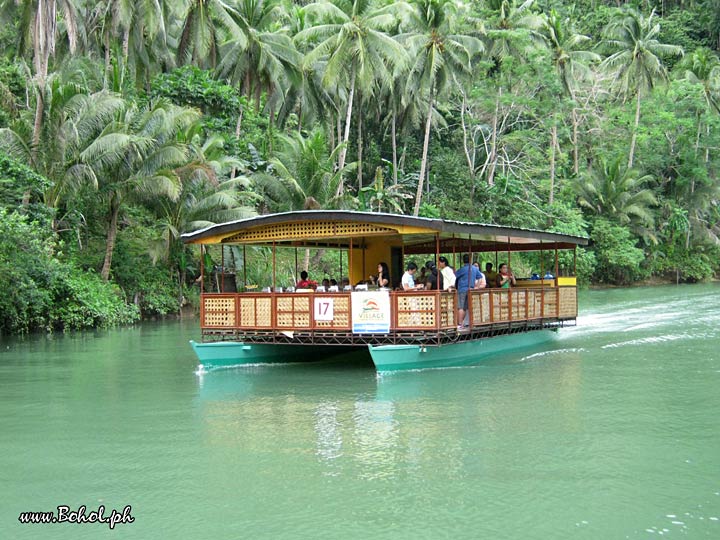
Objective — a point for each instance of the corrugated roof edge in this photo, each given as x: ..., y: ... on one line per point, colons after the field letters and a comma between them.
x: 440, y: 225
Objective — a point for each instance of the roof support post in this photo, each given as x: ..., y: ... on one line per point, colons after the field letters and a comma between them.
x: 437, y: 255
x: 273, y: 265
x: 202, y: 268
x: 510, y: 287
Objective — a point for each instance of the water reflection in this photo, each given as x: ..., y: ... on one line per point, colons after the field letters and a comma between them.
x: 378, y: 427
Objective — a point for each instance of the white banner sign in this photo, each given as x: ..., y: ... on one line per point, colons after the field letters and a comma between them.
x: 371, y: 312
x: 323, y: 309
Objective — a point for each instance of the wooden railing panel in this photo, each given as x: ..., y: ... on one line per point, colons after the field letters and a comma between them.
x: 341, y: 313
x: 448, y: 310
x: 568, y: 302
x: 219, y: 311
x: 255, y: 311
x: 292, y: 311
x: 415, y: 311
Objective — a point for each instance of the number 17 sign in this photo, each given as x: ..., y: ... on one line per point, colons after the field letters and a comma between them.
x: 323, y: 309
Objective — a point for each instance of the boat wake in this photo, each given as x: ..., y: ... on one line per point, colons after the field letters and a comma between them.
x: 649, y: 340
x: 553, y: 352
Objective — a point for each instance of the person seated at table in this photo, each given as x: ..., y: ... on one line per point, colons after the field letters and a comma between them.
x: 490, y: 274
x: 432, y: 276
x: 505, y: 277
x: 304, y: 282
x: 382, y: 279
x: 408, y: 280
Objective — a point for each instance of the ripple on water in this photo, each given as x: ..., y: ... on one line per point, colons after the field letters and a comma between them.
x: 649, y: 340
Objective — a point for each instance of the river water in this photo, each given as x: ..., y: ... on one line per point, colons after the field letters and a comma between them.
x: 611, y: 432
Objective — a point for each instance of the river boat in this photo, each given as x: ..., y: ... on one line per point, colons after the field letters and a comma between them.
x: 401, y: 330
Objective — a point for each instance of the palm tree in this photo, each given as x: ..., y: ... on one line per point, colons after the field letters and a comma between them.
x: 635, y: 59
x: 571, y: 65
x: 205, y: 23
x: 618, y: 193
x: 207, y: 197
x: 73, y: 119
x: 513, y: 29
x: 441, y: 56
x: 39, y: 27
x: 137, y: 156
x: 304, y: 174
x: 261, y: 56
x: 571, y: 62
x: 703, y: 67
x: 352, y: 37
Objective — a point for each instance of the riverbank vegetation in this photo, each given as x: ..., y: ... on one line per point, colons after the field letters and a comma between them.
x: 124, y: 125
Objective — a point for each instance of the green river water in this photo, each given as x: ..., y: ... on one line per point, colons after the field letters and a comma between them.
x: 613, y: 431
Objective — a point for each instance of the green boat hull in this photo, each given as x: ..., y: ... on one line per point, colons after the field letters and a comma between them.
x: 410, y: 357
x: 385, y: 357
x: 235, y: 353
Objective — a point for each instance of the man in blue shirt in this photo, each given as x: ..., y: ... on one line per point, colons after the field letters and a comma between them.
x: 467, y: 277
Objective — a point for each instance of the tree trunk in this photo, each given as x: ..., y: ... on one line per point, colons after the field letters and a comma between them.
x: 125, y: 48
x: 469, y: 158
x: 37, y: 125
x: 576, y: 164
x: 493, y: 142
x: 108, y: 64
x: 44, y: 46
x: 423, y: 163
x: 359, y: 152
x: 553, y: 145
x: 394, y: 147
x: 238, y: 125
x: 633, y: 140
x: 346, y: 137
x: 111, y: 235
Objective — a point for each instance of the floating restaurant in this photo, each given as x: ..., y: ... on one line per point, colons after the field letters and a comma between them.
x: 400, y: 329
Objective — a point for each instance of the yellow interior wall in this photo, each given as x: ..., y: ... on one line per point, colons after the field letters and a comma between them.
x: 377, y: 250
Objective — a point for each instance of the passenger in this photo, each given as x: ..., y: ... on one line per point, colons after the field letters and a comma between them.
x: 432, y: 276
x: 448, y: 274
x: 382, y: 279
x: 505, y: 278
x: 333, y: 283
x: 466, y: 278
x: 345, y: 284
x: 408, y: 279
x: 548, y: 275
x: 326, y: 283
x: 490, y: 275
x: 422, y: 277
x: 304, y: 282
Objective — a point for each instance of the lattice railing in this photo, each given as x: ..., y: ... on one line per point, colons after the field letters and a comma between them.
x: 415, y: 311
x: 411, y: 311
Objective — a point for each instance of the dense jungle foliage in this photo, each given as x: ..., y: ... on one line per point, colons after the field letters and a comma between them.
x: 124, y: 125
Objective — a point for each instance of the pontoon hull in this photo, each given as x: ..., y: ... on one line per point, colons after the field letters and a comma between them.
x: 409, y: 357
x: 236, y: 353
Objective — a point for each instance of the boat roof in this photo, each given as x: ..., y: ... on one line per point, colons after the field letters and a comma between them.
x: 342, y: 228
